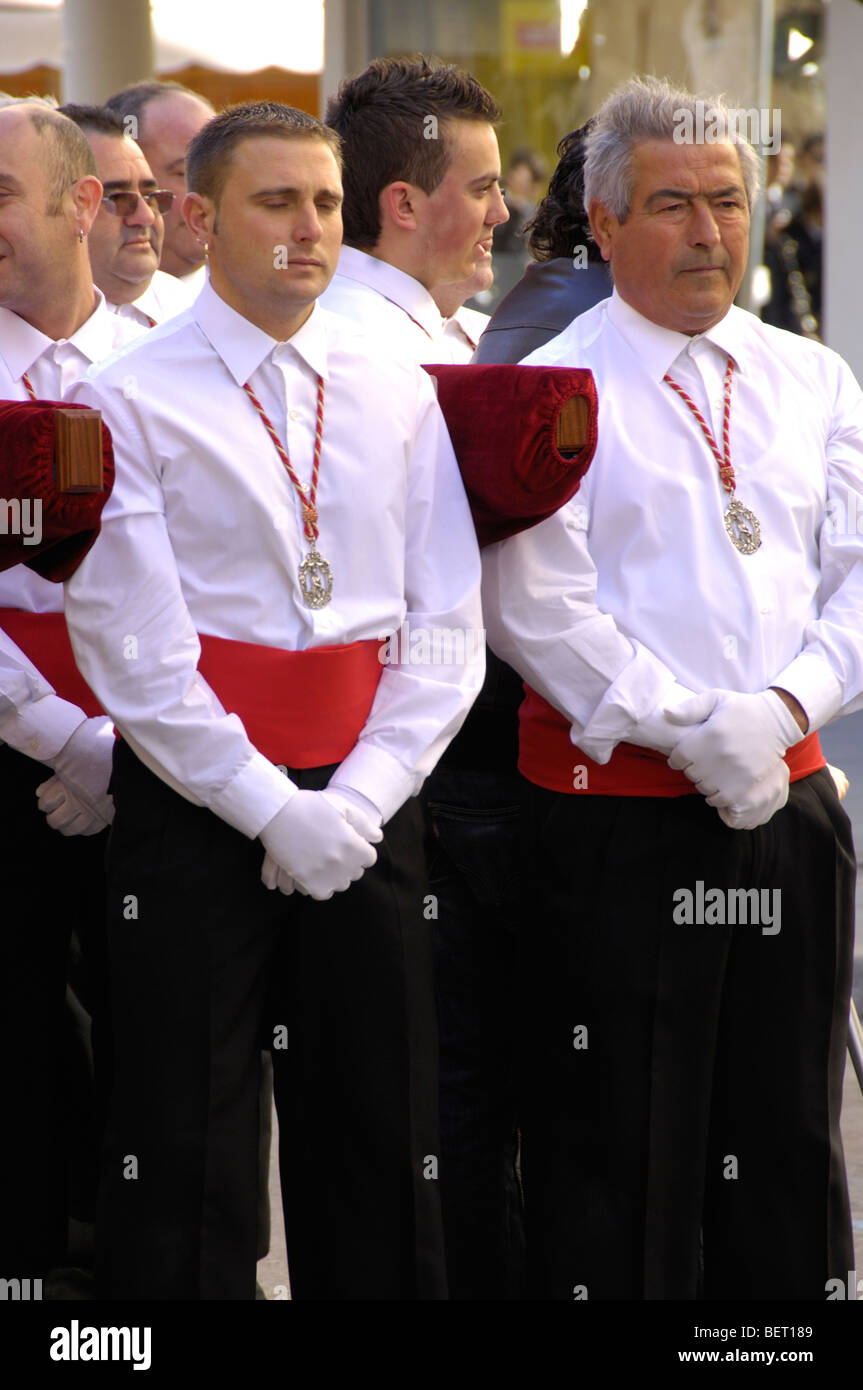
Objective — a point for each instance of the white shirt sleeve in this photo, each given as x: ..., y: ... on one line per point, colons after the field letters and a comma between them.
x: 827, y: 676
x: 137, y: 648
x: 420, y: 705
x: 33, y: 719
x: 539, y: 601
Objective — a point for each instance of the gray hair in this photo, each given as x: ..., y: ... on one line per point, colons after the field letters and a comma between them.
x: 7, y: 100
x: 650, y: 108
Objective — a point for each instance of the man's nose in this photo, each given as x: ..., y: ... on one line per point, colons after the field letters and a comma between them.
x: 497, y: 210
x: 308, y: 225
x: 703, y: 229
x: 143, y: 216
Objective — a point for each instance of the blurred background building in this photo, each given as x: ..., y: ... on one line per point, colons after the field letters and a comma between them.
x: 549, y: 63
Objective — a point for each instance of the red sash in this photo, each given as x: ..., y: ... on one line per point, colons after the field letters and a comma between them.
x: 44, y: 638
x: 548, y: 757
x: 300, y: 709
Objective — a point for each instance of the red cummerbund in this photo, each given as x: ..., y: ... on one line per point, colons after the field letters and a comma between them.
x: 300, y: 709
x: 548, y: 757
x: 44, y: 637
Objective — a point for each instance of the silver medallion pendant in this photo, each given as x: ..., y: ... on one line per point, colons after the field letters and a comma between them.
x: 743, y: 527
x: 316, y: 580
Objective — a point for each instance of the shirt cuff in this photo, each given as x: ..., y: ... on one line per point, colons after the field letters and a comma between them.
x: 814, y: 684
x: 377, y: 776
x: 626, y: 713
x: 654, y: 730
x: 254, y: 796
x: 40, y: 728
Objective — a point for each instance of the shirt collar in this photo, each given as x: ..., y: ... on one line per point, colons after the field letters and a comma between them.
x: 23, y: 345
x: 657, y: 347
x: 94, y: 337
x: 395, y: 285
x: 468, y: 323
x: 243, y: 347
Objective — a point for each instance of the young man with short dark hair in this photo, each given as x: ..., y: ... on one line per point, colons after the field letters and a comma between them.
x: 422, y: 199
x: 283, y: 501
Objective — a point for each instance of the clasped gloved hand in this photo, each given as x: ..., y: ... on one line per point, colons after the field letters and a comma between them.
x: 319, y: 843
x: 76, y: 800
x: 735, y: 756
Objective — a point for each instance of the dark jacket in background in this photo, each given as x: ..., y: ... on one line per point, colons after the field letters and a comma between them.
x: 548, y: 297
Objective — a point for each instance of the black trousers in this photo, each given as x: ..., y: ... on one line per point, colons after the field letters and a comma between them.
x: 53, y: 887
x: 206, y: 964
x: 682, y: 1081
x: 475, y: 858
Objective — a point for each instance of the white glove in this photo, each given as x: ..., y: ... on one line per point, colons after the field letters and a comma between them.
x: 760, y: 803
x: 274, y: 877
x: 312, y: 842
x: 357, y: 810
x: 735, y: 756
x: 84, y: 766
x: 661, y: 729
x: 66, y: 813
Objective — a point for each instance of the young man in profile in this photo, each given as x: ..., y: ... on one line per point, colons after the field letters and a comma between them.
x: 422, y: 199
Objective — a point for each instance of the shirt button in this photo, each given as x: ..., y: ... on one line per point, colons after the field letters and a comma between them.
x: 765, y: 608
x: 293, y: 415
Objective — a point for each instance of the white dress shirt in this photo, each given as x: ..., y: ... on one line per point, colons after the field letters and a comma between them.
x: 165, y: 296
x: 203, y: 533
x: 194, y: 282
x: 464, y: 329
x: 41, y: 730
x: 632, y: 594
x: 389, y: 304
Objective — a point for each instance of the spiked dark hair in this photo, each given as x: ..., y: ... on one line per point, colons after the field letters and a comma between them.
x: 210, y: 151
x: 394, y: 122
x: 99, y: 120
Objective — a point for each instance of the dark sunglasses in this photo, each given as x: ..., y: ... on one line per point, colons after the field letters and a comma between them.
x: 123, y: 204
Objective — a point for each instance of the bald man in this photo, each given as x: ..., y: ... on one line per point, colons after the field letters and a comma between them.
x: 53, y: 325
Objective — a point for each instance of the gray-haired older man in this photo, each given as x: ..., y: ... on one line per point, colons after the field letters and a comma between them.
x: 687, y: 623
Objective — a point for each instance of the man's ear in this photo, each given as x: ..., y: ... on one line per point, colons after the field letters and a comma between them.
x: 603, y: 224
x: 86, y: 199
x: 398, y: 204
x: 199, y: 214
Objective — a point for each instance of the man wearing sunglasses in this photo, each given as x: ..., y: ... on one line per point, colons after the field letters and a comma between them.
x: 126, y: 239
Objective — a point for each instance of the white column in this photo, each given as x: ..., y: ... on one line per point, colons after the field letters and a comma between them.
x: 843, y: 213
x: 106, y: 45
x: 346, y: 52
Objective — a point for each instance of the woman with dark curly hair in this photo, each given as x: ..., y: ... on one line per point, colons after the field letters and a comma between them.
x: 568, y: 275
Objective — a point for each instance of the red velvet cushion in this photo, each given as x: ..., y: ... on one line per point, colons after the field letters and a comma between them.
x: 502, y: 422
x: 70, y: 521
